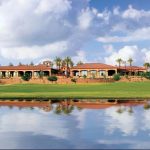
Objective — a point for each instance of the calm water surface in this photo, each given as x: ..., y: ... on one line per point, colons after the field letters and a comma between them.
x: 75, y: 127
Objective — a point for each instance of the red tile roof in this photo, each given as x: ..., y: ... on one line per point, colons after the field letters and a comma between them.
x: 94, y: 66
x: 25, y: 67
x: 24, y: 104
x: 134, y: 68
x: 93, y: 105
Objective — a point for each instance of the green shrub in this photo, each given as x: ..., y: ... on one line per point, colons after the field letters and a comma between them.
x: 116, y: 77
x: 147, y: 106
x: 147, y: 75
x: 26, y: 77
x: 52, y: 78
x: 84, y: 76
x: 142, y: 74
x: 74, y: 80
x: 41, y: 74
x: 126, y: 76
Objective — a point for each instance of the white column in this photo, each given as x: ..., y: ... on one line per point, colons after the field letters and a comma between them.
x: 35, y: 74
x: 116, y: 71
x: 97, y: 73
x: 88, y: 73
x: 0, y: 74
x: 106, y: 73
x: 79, y: 73
x: 7, y: 73
x: 50, y: 73
x: 16, y: 74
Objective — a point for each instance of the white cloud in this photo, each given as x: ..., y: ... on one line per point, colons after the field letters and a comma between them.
x: 34, y: 52
x: 22, y: 26
x: 116, y: 11
x: 55, y: 7
x: 132, y: 13
x: 138, y: 35
x: 108, y: 39
x: 146, y: 120
x: 147, y: 55
x: 38, y: 124
x: 85, y: 19
x: 108, y: 48
x: 130, y: 25
x: 81, y: 56
x: 123, y: 122
x: 138, y: 55
x: 130, y: 144
x: 34, y: 29
x: 80, y: 117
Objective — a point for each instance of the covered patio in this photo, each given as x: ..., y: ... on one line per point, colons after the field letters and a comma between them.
x: 93, y: 70
x: 19, y: 71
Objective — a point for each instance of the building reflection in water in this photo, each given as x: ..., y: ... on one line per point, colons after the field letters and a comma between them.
x: 44, y: 105
x: 67, y: 106
x: 74, y: 124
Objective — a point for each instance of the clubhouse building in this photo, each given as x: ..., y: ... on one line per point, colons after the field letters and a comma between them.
x: 20, y: 70
x: 90, y: 70
x: 99, y: 70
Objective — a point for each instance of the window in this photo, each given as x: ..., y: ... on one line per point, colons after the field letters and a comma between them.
x: 93, y: 72
x: 102, y: 72
x: 84, y: 72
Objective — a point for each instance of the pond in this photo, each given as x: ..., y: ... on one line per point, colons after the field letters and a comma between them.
x: 74, y: 124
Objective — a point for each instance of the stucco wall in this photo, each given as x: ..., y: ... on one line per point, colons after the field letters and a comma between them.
x: 45, y: 81
x: 63, y: 80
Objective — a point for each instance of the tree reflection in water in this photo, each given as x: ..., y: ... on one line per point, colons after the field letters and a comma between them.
x: 66, y: 107
x: 58, y: 109
x: 147, y: 106
x: 121, y: 109
x: 79, y: 108
x: 130, y: 110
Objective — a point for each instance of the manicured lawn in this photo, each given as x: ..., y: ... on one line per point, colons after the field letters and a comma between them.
x: 108, y: 90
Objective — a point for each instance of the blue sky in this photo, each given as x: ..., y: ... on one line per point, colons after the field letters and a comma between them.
x: 110, y: 4
x: 86, y: 30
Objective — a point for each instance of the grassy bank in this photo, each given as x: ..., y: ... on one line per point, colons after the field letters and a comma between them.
x: 109, y: 90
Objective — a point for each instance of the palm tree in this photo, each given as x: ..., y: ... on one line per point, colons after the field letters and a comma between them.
x: 119, y: 61
x: 20, y: 64
x: 58, y: 62
x: 63, y: 63
x: 67, y: 63
x: 11, y: 64
x: 125, y: 65
x: 147, y: 65
x: 52, y: 64
x: 130, y: 60
x: 31, y: 64
x: 71, y: 63
x: 80, y: 63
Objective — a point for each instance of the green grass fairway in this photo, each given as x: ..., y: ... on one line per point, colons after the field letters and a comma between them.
x: 108, y: 90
